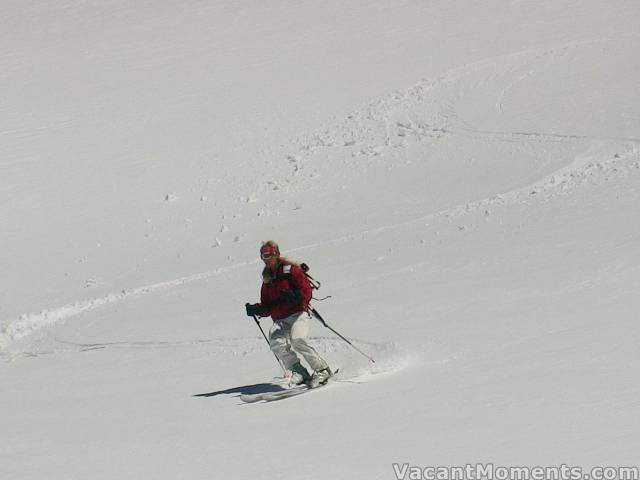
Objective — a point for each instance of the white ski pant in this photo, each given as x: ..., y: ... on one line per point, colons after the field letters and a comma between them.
x: 288, y: 337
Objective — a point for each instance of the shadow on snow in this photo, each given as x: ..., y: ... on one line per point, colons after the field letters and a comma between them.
x: 245, y: 390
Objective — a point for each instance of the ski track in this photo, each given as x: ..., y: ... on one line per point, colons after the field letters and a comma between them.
x: 355, y: 132
x: 369, y: 133
x: 389, y: 357
x: 29, y: 323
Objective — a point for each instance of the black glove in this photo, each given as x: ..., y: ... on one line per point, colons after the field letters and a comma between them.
x: 253, y: 310
x: 290, y: 296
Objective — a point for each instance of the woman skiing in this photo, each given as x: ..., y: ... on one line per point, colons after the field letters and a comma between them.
x: 285, y: 297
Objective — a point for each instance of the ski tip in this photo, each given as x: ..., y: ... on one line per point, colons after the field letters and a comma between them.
x: 250, y: 398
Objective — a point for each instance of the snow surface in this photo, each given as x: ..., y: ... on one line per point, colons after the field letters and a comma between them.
x: 463, y: 177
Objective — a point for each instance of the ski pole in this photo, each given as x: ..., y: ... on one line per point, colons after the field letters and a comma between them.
x: 319, y: 317
x: 255, y: 319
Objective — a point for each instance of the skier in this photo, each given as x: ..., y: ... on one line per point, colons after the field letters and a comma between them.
x: 285, y: 297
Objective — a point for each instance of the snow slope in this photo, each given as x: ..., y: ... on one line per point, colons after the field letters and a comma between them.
x: 463, y: 177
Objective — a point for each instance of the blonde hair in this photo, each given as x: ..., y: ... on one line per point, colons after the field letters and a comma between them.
x: 267, y: 275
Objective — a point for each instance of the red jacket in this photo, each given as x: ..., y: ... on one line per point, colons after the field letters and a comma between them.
x: 291, y: 280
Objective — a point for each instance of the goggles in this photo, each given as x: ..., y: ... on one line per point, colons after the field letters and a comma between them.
x: 268, y: 251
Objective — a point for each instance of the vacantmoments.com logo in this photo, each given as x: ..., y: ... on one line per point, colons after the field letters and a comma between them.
x: 489, y: 471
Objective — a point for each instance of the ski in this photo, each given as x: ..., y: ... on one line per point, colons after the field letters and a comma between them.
x: 270, y: 396
x: 282, y: 394
x: 273, y: 396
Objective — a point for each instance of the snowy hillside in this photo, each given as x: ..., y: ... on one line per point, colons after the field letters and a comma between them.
x: 462, y: 177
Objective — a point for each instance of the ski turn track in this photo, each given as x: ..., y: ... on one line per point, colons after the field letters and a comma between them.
x: 30, y: 322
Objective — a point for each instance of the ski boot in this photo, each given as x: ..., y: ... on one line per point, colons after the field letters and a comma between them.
x: 299, y: 375
x: 320, y: 377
